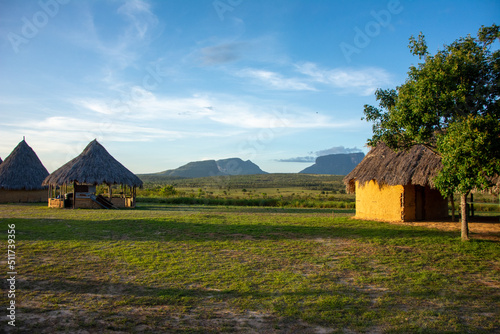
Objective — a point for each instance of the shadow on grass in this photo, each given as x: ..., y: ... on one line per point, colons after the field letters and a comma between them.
x: 89, y: 286
x: 216, y: 228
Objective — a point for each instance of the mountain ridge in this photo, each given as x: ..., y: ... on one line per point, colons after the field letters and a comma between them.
x: 221, y: 167
x: 334, y: 164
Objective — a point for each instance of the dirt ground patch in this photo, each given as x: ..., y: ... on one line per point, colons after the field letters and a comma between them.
x: 487, y: 228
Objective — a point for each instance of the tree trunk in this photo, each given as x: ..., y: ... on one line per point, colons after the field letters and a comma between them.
x: 465, y: 224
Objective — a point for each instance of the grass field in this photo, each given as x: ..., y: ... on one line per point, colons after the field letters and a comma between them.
x: 200, y: 269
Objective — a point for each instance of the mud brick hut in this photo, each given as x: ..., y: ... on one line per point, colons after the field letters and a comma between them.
x: 21, y: 176
x: 397, y: 186
x: 74, y: 184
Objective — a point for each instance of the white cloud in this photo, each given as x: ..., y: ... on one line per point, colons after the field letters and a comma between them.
x: 338, y: 150
x: 361, y: 81
x: 69, y: 128
x: 141, y: 104
x: 275, y: 80
x: 210, y: 111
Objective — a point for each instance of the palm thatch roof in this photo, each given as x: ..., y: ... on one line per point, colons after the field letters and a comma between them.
x: 93, y: 166
x: 22, y: 169
x: 417, y: 166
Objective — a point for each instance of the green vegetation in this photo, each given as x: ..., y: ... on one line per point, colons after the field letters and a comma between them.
x: 275, y: 190
x: 205, y: 269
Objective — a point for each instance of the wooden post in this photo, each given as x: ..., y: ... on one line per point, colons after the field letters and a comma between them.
x: 74, y: 194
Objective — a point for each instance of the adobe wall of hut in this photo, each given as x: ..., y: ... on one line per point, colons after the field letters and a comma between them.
x: 378, y: 202
x: 398, y: 203
x: 23, y: 196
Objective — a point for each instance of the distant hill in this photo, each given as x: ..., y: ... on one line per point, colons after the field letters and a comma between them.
x: 232, y: 166
x: 335, y: 164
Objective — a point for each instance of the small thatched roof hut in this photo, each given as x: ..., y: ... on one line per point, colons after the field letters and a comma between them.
x: 22, y: 169
x: 21, y: 176
x: 94, y: 166
x: 393, y: 185
x: 418, y: 166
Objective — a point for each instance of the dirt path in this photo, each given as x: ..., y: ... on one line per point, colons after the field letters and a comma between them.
x: 487, y: 228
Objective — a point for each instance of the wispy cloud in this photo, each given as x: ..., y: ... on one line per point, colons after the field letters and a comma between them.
x: 223, y: 53
x: 275, y: 80
x: 116, y: 130
x: 307, y: 159
x: 137, y: 24
x: 311, y: 77
x: 338, y: 150
x: 265, y: 49
x: 211, y: 110
x: 361, y: 81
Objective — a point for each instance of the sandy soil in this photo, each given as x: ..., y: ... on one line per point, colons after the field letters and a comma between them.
x: 487, y: 228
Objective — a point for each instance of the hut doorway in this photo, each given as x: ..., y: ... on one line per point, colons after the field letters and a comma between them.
x: 419, y: 203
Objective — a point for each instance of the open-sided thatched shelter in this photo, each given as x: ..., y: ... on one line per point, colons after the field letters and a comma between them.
x: 397, y: 186
x: 21, y: 176
x: 93, y: 167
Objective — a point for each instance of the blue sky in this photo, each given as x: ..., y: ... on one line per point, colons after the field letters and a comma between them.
x: 163, y: 83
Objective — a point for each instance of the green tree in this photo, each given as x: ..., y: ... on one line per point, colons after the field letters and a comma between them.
x: 450, y: 104
x: 168, y: 190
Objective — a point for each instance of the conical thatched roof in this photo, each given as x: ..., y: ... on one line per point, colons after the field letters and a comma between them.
x: 93, y: 166
x: 22, y: 169
x: 0, y: 160
x: 417, y: 166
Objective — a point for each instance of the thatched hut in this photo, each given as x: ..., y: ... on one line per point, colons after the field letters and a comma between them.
x: 397, y: 186
x: 93, y: 167
x: 21, y: 176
